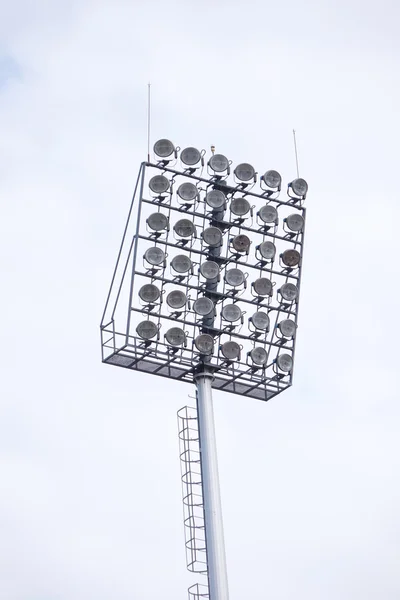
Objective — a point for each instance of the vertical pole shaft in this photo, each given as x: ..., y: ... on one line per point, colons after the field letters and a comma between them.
x: 216, y: 561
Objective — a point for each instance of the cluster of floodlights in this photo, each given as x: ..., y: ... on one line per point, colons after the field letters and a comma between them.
x: 219, y: 165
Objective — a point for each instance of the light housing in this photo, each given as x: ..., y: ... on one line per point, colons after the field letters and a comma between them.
x: 299, y: 187
x: 187, y: 191
x: 244, y: 172
x: 176, y: 337
x: 267, y: 250
x: 263, y: 286
x: 241, y: 243
x: 210, y: 270
x: 147, y: 330
x: 284, y: 362
x: 240, y: 207
x: 289, y: 292
x: 163, y: 148
x: 154, y: 255
x: 181, y: 263
x: 176, y: 299
x: 204, y: 343
x: 203, y: 306
x: 159, y: 184
x: 287, y: 328
x: 290, y: 258
x: 268, y: 214
x: 235, y: 277
x: 259, y: 356
x: 218, y: 163
x: 215, y: 198
x: 260, y: 320
x: 230, y: 350
x: 231, y: 313
x: 295, y: 222
x: 185, y: 228
x: 157, y: 221
x: 149, y: 293
x: 272, y: 179
x: 190, y: 156
x: 212, y: 236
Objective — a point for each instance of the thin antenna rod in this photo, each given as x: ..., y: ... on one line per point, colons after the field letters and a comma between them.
x: 295, y: 152
x: 148, y: 120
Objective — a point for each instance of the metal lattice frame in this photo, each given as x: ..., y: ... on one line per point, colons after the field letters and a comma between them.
x: 121, y: 345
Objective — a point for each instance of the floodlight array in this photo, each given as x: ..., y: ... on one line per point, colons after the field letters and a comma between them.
x: 216, y: 272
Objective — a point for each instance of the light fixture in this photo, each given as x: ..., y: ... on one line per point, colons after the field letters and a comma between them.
x: 234, y: 277
x: 209, y: 269
x: 190, y: 156
x: 176, y: 336
x: 267, y: 250
x: 212, y: 236
x: 241, y: 243
x: 149, y: 293
x: 154, y: 255
x: 187, y: 191
x: 290, y: 258
x: 185, y: 228
x: 181, y: 263
x: 203, y: 306
x: 215, y: 198
x: 263, y: 286
x: 268, y: 213
x: 157, y: 221
x: 284, y: 362
x: 218, y: 163
x: 230, y: 350
x: 159, y: 184
x: 240, y: 207
x: 299, y: 187
x: 176, y: 299
x: 272, y: 179
x: 295, y: 222
x: 259, y: 356
x: 289, y: 291
x: 147, y: 330
x: 287, y: 328
x: 260, y: 320
x: 163, y: 148
x: 204, y: 343
x: 231, y: 312
x: 244, y: 172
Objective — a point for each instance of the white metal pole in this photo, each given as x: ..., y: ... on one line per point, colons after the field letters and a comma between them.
x: 216, y: 561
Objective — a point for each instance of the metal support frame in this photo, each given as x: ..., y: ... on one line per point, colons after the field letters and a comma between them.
x: 215, y: 545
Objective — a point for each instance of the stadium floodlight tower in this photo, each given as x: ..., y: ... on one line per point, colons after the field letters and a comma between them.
x: 206, y: 291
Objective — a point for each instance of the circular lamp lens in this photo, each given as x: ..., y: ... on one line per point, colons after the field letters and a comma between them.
x: 234, y: 277
x: 267, y: 250
x: 295, y: 222
x: 241, y: 243
x: 184, y: 228
x: 181, y: 263
x: 149, y: 293
x: 147, y: 330
x: 218, y: 163
x: 190, y: 156
x: 175, y: 336
x: 284, y: 362
x: 159, y: 184
x: 290, y: 258
x: 268, y: 214
x: 299, y: 187
x: 157, y: 221
x: 187, y: 191
x: 260, y: 320
x: 272, y: 179
x: 204, y: 343
x: 215, y: 199
x: 231, y: 312
x: 289, y: 291
x: 212, y: 236
x: 259, y: 356
x: 154, y: 256
x: 176, y: 299
x: 203, y: 306
x: 287, y: 328
x: 230, y: 350
x: 163, y: 148
x: 209, y: 270
x: 240, y: 207
x: 263, y: 286
x: 244, y: 172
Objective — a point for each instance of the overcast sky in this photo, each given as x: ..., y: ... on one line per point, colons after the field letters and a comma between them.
x: 90, y: 497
